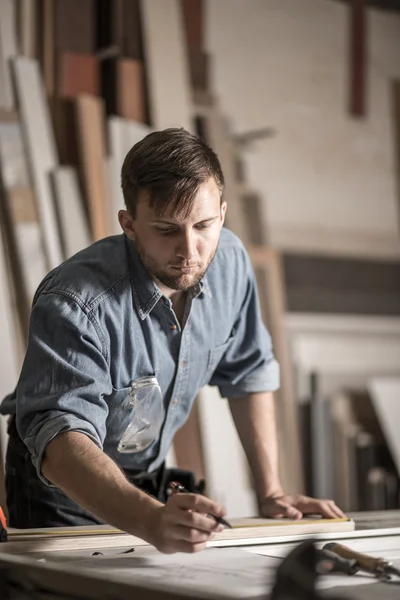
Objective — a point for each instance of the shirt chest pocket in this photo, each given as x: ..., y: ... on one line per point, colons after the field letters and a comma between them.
x: 215, y: 355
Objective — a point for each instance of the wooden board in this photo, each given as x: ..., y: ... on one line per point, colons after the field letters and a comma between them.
x: 48, y: 47
x: 27, y: 27
x: 92, y: 146
x: 41, y: 150
x: 24, y: 235
x: 10, y: 362
x: 123, y: 134
x: 268, y: 269
x: 217, y: 136
x: 166, y: 64
x: 75, y: 230
x: 385, y: 396
x: 396, y: 131
x: 130, y: 91
x: 80, y: 538
x: 74, y: 24
x: 8, y: 49
x: 78, y: 73
x: 227, y: 472
x: 193, y: 15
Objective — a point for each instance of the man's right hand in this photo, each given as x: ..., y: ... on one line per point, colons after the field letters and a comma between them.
x: 182, y: 524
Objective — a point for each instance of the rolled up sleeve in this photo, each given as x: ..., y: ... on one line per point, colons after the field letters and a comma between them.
x: 248, y: 364
x: 64, y: 378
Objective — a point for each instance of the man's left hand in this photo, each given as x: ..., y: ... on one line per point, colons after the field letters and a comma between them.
x: 294, y: 507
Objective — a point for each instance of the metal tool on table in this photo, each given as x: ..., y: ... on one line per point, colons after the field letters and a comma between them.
x: 380, y: 567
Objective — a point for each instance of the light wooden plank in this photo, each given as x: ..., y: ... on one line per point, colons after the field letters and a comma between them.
x: 48, y: 47
x: 92, y: 146
x: 41, y: 150
x: 218, y: 137
x: 73, y: 220
x: 24, y: 232
x: 385, y: 396
x: 8, y: 50
x: 268, y: 270
x: 27, y: 27
x: 9, y: 363
x: 131, y: 90
x: 167, y: 65
x: 123, y: 134
x: 231, y: 487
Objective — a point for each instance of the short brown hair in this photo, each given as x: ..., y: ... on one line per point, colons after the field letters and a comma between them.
x: 170, y: 165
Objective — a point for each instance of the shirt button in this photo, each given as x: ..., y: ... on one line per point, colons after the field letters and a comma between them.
x: 175, y: 402
x: 173, y: 327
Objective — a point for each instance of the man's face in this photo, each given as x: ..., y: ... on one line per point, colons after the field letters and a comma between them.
x: 177, y: 250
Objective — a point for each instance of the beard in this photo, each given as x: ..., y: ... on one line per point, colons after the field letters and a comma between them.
x: 180, y: 282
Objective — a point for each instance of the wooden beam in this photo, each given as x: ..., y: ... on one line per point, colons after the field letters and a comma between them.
x: 396, y: 131
x: 358, y: 60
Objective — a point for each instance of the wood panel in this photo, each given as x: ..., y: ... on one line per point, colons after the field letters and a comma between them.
x: 10, y: 362
x: 193, y: 16
x: 268, y: 269
x: 41, y: 150
x: 48, y: 46
x: 322, y: 284
x: 75, y: 231
x: 77, y: 73
x: 396, y: 129
x: 217, y: 136
x: 8, y: 49
x: 22, y: 231
x: 131, y: 101
x: 27, y: 19
x: 92, y: 146
x: 75, y: 25
x: 123, y: 134
x: 167, y: 66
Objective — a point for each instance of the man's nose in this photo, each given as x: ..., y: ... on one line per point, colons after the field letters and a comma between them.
x: 187, y: 246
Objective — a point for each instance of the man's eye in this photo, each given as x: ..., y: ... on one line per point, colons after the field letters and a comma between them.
x: 165, y: 230
x: 203, y: 226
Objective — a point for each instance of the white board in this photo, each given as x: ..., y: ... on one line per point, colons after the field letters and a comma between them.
x: 8, y: 49
x: 123, y: 134
x: 41, y: 149
x: 226, y: 467
x: 73, y: 220
x: 28, y: 234
x: 9, y: 360
x: 167, y: 64
x: 385, y: 396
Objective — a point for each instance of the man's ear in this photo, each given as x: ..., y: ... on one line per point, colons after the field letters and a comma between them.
x: 127, y: 223
x: 223, y: 212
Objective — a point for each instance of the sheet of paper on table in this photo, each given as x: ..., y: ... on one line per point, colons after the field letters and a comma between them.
x: 223, y: 573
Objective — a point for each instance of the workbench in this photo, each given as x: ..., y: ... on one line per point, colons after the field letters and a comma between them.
x: 239, y: 571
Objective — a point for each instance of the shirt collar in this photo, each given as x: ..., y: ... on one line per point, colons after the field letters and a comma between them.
x: 146, y: 293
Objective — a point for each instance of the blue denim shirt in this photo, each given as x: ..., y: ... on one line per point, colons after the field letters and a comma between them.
x: 99, y: 322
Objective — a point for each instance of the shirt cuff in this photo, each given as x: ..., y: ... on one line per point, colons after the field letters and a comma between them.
x: 264, y: 379
x: 50, y: 429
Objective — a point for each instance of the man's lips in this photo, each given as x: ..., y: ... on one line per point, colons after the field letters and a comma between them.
x: 186, y: 269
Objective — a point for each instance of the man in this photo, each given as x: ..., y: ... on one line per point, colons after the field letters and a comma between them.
x: 165, y: 308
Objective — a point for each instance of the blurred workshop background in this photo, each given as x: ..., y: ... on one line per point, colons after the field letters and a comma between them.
x: 301, y: 101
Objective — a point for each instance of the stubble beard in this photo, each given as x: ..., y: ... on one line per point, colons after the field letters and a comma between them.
x: 181, y: 283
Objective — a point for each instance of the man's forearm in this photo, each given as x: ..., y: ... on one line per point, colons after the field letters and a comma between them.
x: 75, y: 464
x: 254, y: 417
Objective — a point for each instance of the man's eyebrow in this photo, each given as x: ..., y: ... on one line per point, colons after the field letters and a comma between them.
x: 175, y: 224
